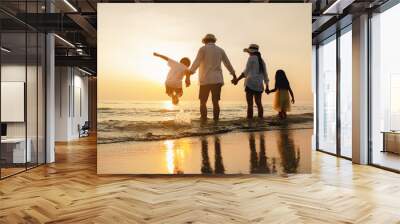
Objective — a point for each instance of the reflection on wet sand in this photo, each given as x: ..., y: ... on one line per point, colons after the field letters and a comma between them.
x: 174, y: 156
x: 269, y: 152
x: 258, y: 163
x: 290, y: 156
x: 205, y: 165
x: 218, y: 162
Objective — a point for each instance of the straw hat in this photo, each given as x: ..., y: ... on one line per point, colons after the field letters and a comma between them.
x: 252, y: 48
x: 209, y: 37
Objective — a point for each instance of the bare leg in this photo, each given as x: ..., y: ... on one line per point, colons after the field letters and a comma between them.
x: 249, y: 99
x: 203, y: 109
x: 216, y: 109
x: 260, y: 108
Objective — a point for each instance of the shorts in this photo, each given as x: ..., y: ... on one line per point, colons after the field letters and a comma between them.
x: 253, y: 92
x: 171, y: 90
x: 215, y: 90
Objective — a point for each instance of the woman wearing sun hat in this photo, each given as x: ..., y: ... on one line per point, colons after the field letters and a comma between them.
x: 255, y: 75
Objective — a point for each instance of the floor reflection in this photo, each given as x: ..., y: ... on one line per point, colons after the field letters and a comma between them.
x: 269, y: 152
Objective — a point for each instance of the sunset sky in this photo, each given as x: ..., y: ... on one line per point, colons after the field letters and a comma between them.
x: 128, y: 34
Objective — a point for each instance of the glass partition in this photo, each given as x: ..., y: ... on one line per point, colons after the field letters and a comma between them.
x: 31, y: 97
x: 41, y: 97
x: 13, y: 95
x: 326, y: 99
x: 385, y: 89
x: 346, y: 93
x: 22, y: 107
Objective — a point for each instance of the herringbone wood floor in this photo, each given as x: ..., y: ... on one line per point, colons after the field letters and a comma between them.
x: 69, y: 191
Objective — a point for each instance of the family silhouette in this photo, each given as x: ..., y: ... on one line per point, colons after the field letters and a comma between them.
x: 209, y: 60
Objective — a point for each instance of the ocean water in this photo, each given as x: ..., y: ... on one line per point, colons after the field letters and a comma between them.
x: 122, y: 121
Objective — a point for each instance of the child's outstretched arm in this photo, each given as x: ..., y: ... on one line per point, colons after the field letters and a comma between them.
x: 291, y: 94
x: 161, y: 56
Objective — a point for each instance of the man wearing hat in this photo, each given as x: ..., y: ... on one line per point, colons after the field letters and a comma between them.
x: 208, y: 60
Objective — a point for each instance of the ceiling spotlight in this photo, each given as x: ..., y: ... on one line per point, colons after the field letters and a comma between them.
x: 70, y: 5
x: 84, y: 71
x: 5, y: 50
x: 65, y: 41
x: 338, y: 6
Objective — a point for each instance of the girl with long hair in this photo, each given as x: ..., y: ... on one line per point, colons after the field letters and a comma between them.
x: 282, y: 90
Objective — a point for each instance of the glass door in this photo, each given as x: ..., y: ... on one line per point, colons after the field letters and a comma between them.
x: 326, y: 96
x: 346, y: 92
x: 385, y: 89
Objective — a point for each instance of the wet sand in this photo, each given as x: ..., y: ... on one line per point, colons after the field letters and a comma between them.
x: 267, y: 152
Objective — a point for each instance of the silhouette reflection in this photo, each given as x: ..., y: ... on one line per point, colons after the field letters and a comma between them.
x: 219, y: 165
x: 258, y: 163
x: 290, y: 156
x: 205, y: 165
x: 218, y: 161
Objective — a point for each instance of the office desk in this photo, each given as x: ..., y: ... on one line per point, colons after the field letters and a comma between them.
x: 13, y: 150
x: 391, y: 141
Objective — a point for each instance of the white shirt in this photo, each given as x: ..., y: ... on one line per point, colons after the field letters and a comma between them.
x: 175, y: 74
x: 208, y: 60
x: 254, y: 78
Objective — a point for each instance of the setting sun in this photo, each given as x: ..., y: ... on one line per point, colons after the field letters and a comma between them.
x: 168, y: 105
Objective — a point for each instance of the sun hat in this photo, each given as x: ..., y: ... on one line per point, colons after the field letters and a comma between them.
x: 209, y: 37
x: 252, y: 48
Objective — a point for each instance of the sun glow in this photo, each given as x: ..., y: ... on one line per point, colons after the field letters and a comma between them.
x: 175, y: 155
x: 168, y: 105
x: 169, y: 144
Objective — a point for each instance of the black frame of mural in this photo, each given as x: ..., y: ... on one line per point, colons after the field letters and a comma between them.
x: 39, y: 52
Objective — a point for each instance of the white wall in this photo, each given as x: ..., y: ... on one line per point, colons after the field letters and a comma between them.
x: 16, y: 73
x: 71, y: 102
x: 33, y: 127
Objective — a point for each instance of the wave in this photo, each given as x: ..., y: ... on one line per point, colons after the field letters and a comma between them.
x: 113, y: 131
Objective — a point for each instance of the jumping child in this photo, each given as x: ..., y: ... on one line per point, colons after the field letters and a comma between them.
x: 178, y: 70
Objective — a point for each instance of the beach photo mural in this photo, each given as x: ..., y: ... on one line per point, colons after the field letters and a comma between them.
x: 204, y: 88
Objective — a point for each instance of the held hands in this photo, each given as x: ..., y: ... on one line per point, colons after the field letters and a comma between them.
x: 234, y: 81
x: 292, y: 100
